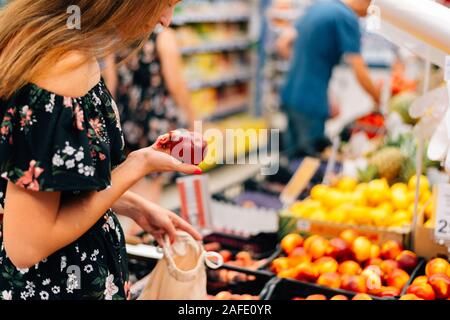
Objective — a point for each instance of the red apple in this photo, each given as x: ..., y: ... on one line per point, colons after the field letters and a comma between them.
x: 398, y: 278
x: 441, y: 285
x: 339, y: 297
x: 354, y: 283
x: 339, y: 250
x: 298, y: 255
x: 316, y: 297
x: 362, y: 296
x: 349, y: 267
x: 424, y: 291
x: 391, y: 249
x: 437, y: 265
x: 188, y: 147
x: 330, y: 279
x: 407, y: 260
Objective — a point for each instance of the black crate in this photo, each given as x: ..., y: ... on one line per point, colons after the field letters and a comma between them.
x: 414, y: 274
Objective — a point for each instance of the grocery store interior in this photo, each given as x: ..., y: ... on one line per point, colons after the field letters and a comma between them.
x: 326, y: 172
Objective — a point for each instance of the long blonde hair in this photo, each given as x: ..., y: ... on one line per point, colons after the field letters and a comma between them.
x: 34, y: 33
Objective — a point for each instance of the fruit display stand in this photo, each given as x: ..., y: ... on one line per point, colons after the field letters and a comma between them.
x: 346, y: 265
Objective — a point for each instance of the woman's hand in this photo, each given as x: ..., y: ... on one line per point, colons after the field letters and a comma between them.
x: 159, y: 221
x: 158, y: 161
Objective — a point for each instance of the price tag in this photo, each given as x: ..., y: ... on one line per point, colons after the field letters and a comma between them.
x: 442, y: 230
x: 303, y: 225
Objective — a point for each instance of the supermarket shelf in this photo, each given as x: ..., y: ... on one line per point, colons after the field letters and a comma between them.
x: 216, y: 47
x: 208, y: 18
x: 227, y: 112
x: 214, y: 83
x: 219, y: 179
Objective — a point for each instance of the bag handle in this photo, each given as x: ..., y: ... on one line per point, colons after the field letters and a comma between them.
x: 204, y: 257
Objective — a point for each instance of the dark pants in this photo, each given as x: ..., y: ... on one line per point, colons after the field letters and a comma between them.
x: 305, y: 135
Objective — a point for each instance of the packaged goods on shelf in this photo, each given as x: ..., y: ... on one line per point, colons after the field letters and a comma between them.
x: 211, y: 11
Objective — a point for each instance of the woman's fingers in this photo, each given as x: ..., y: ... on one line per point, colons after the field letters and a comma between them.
x: 183, y: 225
x: 188, y: 169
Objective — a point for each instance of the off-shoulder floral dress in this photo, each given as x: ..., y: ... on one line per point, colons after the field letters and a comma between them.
x: 53, y: 143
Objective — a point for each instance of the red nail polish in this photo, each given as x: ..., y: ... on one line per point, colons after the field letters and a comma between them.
x: 198, y: 171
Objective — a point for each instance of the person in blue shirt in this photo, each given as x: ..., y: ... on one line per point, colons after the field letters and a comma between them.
x: 328, y: 33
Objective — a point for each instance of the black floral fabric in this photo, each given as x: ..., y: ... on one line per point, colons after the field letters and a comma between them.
x: 146, y: 108
x: 51, y: 143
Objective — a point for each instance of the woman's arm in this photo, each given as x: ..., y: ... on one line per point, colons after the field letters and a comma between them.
x: 109, y: 73
x: 172, y: 69
x: 37, y: 224
x: 152, y: 218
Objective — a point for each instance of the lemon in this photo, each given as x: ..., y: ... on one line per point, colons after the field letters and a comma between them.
x: 399, y: 187
x: 429, y: 210
x: 377, y: 192
x: 425, y: 196
x: 333, y: 199
x: 386, y: 206
x: 347, y: 184
x: 361, y: 215
x: 341, y: 213
x: 399, y: 198
x: 401, y: 218
x: 424, y: 184
x: 361, y: 187
x: 380, y: 217
x: 318, y: 214
x: 319, y: 191
x: 358, y: 198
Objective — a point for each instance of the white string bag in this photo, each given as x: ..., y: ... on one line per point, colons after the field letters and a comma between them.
x: 181, y: 274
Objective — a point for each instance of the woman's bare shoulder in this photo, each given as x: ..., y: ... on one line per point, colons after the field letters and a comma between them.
x: 73, y: 75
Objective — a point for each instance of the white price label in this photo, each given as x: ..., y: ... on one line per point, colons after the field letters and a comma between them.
x: 303, y: 225
x: 442, y: 230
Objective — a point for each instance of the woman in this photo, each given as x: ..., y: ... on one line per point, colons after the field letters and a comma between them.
x: 61, y: 151
x: 152, y: 97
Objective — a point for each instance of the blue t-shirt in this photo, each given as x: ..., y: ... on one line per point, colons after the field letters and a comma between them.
x: 328, y: 30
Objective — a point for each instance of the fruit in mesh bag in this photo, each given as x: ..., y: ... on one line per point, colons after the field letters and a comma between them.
x: 188, y: 147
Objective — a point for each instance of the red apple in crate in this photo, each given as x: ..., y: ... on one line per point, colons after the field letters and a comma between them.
x: 339, y: 249
x: 306, y: 271
x: 298, y: 255
x: 362, y: 296
x: 441, y: 285
x: 420, y: 280
x: 407, y: 260
x: 188, y: 147
x: 389, y: 292
x: 398, y: 278
x: 290, y: 242
x: 317, y: 248
x: 326, y: 265
x: 423, y: 290
x: 354, y: 283
x: 391, y: 249
x: 435, y: 266
x: 387, y: 266
x: 349, y: 236
x: 226, y: 255
x: 339, y: 297
x: 330, y: 279
x: 410, y: 296
x: 349, y: 267
x: 316, y: 297
x: 374, y: 262
x: 361, y: 247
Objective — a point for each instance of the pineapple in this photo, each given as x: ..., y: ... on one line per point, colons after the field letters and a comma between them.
x: 389, y: 162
